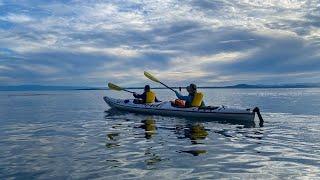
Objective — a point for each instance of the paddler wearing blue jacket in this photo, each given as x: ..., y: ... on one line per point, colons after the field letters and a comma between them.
x: 147, y: 96
x: 194, y: 99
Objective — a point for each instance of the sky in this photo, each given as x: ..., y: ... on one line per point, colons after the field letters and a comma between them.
x: 207, y: 42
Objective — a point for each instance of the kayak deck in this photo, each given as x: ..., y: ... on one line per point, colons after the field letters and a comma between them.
x: 165, y: 108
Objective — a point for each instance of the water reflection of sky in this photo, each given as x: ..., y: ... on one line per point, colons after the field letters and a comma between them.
x: 76, y: 135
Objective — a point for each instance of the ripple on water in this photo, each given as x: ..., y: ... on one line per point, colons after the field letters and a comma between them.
x: 79, y: 140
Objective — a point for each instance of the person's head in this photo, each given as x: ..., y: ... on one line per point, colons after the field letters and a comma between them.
x: 146, y: 88
x: 192, y: 88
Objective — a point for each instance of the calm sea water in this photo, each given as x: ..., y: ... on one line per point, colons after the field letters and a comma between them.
x: 75, y: 135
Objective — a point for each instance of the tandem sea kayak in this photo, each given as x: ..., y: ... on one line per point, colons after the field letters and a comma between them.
x: 165, y: 108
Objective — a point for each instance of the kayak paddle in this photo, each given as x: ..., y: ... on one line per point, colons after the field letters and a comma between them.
x: 152, y: 78
x: 117, y: 88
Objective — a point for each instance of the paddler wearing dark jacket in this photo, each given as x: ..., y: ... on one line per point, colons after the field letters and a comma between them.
x: 147, y: 96
x: 194, y: 99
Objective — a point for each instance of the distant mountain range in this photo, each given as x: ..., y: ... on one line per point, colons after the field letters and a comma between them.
x: 298, y: 85
x: 39, y: 88
x: 56, y: 88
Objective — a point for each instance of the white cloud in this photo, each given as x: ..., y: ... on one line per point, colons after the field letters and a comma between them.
x: 5, y: 68
x: 192, y: 67
x: 177, y: 39
x: 41, y: 69
x: 116, y: 51
x: 17, y: 18
x: 7, y: 79
x: 200, y: 61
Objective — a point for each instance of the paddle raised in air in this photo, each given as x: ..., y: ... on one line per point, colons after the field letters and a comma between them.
x: 152, y: 78
x: 117, y: 88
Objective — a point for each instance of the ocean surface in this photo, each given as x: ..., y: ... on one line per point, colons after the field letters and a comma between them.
x: 75, y: 135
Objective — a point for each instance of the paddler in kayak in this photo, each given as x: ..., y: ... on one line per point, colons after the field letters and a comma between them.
x: 147, y: 96
x: 194, y: 99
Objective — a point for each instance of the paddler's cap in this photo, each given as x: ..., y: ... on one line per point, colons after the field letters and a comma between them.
x: 147, y: 88
x: 192, y: 88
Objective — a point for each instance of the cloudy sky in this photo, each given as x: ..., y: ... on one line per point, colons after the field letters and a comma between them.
x: 209, y: 42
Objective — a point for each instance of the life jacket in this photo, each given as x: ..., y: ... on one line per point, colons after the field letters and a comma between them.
x: 197, y: 99
x: 150, y: 97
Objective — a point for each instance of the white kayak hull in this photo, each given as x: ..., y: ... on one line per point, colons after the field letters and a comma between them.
x: 165, y: 108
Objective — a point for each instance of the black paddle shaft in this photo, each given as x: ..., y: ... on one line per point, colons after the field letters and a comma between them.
x: 128, y: 91
x: 168, y: 87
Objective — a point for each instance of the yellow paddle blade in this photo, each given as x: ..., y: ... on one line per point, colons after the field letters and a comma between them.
x: 148, y: 75
x: 114, y: 87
